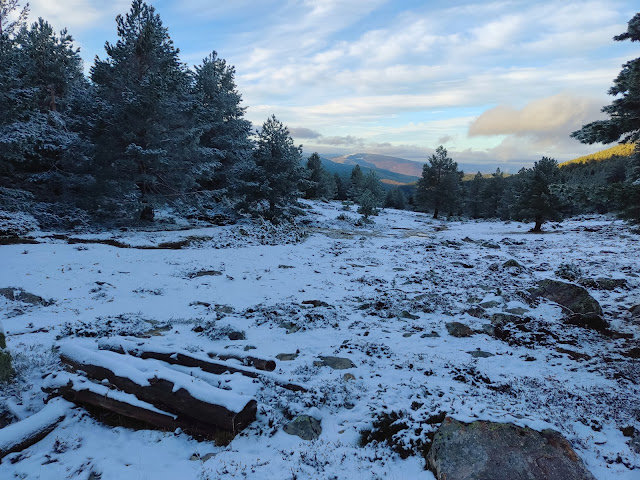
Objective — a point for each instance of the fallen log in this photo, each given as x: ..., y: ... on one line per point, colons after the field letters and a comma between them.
x: 248, y: 360
x: 190, y: 398
x: 20, y: 435
x: 101, y: 398
x: 187, y: 360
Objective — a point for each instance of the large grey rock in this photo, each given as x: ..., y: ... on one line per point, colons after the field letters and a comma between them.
x: 304, y: 426
x: 568, y: 295
x: 498, y: 451
x: 457, y: 329
x: 337, y: 363
x: 19, y: 295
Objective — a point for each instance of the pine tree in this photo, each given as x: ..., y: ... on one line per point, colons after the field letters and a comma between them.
x: 395, y: 199
x: 623, y: 124
x: 356, y: 182
x: 320, y: 184
x: 535, y: 200
x: 147, y: 138
x: 224, y: 145
x: 42, y: 89
x: 439, y: 186
x: 341, y: 187
x: 492, y: 194
x: 274, y: 182
x: 474, y: 200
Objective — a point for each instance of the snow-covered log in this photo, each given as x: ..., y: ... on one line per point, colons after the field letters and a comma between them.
x: 20, y: 435
x: 190, y: 360
x: 248, y: 360
x: 192, y: 399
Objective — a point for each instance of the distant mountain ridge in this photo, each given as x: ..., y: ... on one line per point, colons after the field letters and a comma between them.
x: 386, y: 176
x: 382, y: 162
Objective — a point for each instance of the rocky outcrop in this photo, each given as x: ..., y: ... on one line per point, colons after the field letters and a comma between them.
x: 496, y: 451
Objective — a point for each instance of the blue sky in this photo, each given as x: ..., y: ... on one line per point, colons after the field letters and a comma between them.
x: 497, y: 83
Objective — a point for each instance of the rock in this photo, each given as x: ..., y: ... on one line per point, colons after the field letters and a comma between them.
x: 407, y: 334
x: 516, y: 310
x: 512, y: 264
x: 205, y: 273
x: 489, y: 329
x: 433, y: 334
x: 304, y: 426
x: 632, y: 352
x: 19, y: 295
x: 477, y: 312
x: 348, y: 377
x: 611, y: 283
x: 635, y: 310
x: 235, y: 335
x: 490, y: 304
x: 286, y: 357
x: 499, y: 451
x: 588, y: 320
x: 337, y: 363
x: 502, y: 319
x: 480, y: 354
x: 490, y: 244
x: 315, y: 303
x: 457, y: 329
x: 573, y: 297
x: 405, y: 314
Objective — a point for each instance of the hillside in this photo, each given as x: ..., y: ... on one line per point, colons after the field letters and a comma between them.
x: 622, y: 150
x: 386, y: 176
x: 382, y: 162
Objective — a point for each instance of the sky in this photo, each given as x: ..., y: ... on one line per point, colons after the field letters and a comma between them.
x: 497, y: 83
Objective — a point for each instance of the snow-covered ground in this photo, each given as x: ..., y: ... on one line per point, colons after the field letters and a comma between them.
x: 388, y: 291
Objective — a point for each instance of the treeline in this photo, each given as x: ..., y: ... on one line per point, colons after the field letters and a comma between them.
x: 142, y: 132
x: 538, y: 194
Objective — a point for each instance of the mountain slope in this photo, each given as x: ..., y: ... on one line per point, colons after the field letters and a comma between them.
x: 382, y: 162
x: 621, y: 150
x: 386, y: 176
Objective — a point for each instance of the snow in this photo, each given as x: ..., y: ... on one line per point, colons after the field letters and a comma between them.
x: 388, y: 286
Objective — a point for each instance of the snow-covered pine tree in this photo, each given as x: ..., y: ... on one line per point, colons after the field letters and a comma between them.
x: 274, y: 181
x: 42, y: 148
x: 147, y: 137
x: 224, y: 144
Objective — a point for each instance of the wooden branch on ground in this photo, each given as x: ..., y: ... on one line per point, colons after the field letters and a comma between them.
x: 20, y: 435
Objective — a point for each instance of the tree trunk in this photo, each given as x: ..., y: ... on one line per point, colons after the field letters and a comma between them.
x: 435, y: 214
x: 538, y: 226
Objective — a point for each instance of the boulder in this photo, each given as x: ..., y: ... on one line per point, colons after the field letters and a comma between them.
x: 460, y: 330
x: 304, y: 426
x: 572, y: 297
x: 498, y: 451
x: 337, y: 363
